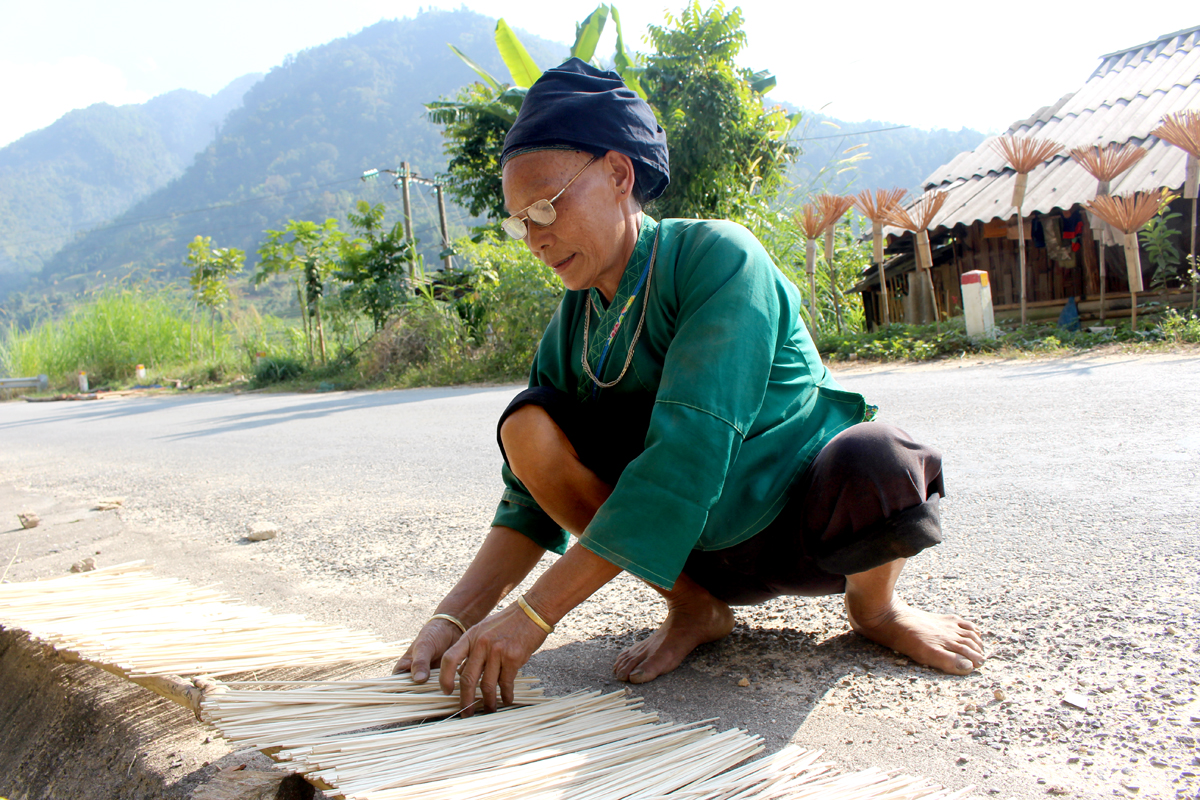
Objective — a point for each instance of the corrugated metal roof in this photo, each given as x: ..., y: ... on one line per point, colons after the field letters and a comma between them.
x: 1124, y: 99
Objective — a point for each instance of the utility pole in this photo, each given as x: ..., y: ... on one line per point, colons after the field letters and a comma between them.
x: 408, y: 234
x: 404, y: 178
x: 446, y: 262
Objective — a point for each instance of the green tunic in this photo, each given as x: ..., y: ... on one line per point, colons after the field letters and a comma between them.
x: 742, y: 402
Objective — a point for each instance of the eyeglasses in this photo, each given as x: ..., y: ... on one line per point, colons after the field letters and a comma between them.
x: 540, y: 213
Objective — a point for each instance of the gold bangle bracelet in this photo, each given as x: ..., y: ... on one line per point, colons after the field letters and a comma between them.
x: 457, y: 622
x: 535, y: 616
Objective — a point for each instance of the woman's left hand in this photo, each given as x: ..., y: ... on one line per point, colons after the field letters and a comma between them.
x: 493, y: 650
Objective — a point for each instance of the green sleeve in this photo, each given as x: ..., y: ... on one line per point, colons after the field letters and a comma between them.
x: 724, y: 298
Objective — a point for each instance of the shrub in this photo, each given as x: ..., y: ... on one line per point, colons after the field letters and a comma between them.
x: 515, y: 296
x: 277, y: 369
x: 425, y: 332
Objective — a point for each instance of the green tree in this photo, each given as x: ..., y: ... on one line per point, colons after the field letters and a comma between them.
x: 209, y: 271
x: 312, y: 251
x: 729, y: 153
x: 374, y: 265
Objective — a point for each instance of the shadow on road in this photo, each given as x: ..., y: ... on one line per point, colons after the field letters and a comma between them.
x: 282, y: 409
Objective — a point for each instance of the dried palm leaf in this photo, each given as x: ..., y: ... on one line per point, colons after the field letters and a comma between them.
x: 1026, y: 152
x: 917, y: 216
x: 810, y: 220
x: 833, y: 207
x: 1181, y: 129
x: 1129, y: 213
x: 1106, y: 163
x: 875, y: 205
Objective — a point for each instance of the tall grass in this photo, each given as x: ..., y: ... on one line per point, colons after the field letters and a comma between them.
x: 111, y: 335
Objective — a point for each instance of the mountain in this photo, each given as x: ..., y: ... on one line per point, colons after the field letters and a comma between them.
x: 94, y: 163
x: 894, y: 155
x: 297, y: 146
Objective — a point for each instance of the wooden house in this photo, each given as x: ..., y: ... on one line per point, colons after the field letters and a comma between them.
x: 1123, y: 100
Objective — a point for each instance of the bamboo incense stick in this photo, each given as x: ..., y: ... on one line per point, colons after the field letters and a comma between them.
x: 876, y: 207
x: 810, y: 220
x: 1105, y: 164
x: 833, y: 208
x: 1128, y: 214
x: 1023, y: 154
x: 1182, y: 129
x: 917, y: 218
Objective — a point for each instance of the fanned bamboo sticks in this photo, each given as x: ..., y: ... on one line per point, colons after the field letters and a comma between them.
x: 142, y: 626
x: 1104, y: 164
x: 1023, y: 154
x: 811, y: 220
x: 875, y: 207
x: 1129, y: 214
x: 917, y: 218
x: 1182, y: 129
x: 833, y: 208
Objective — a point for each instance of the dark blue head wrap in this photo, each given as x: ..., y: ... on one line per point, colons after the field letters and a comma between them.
x: 584, y: 108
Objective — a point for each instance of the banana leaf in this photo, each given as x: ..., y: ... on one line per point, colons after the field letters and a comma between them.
x: 480, y: 71
x: 587, y: 33
x: 516, y: 57
x: 624, y: 62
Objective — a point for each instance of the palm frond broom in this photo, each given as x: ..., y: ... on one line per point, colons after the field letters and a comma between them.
x: 875, y: 206
x: 1023, y: 154
x: 1182, y: 129
x: 1105, y: 164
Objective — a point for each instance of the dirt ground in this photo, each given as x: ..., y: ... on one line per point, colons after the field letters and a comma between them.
x: 1071, y: 525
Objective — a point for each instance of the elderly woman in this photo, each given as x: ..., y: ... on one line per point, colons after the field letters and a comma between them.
x: 679, y: 423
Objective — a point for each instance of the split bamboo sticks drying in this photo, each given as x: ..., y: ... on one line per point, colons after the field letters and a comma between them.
x: 917, y: 218
x: 811, y: 221
x: 1129, y: 214
x: 833, y: 208
x: 584, y: 746
x: 1182, y: 129
x: 140, y: 626
x: 1023, y: 154
x: 876, y: 207
x: 1105, y: 164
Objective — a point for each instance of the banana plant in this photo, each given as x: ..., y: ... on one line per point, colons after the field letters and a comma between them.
x: 524, y: 71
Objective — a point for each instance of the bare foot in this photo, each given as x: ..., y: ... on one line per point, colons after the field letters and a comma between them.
x: 691, y: 621
x: 943, y: 641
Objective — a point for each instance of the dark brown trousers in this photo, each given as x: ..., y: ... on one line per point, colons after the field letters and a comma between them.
x: 870, y: 497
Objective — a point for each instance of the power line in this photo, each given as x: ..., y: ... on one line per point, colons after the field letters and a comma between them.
x: 851, y: 133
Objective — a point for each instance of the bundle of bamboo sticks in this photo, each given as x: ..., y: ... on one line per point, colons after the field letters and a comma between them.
x: 141, y: 625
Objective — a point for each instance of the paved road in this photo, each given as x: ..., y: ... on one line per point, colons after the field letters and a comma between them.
x: 1071, y: 527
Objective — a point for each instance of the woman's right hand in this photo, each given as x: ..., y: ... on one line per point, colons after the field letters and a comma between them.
x: 435, y: 638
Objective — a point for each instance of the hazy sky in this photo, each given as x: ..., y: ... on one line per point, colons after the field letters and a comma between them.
x: 924, y: 63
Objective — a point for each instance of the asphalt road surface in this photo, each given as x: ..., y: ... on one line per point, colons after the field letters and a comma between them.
x: 1071, y: 527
